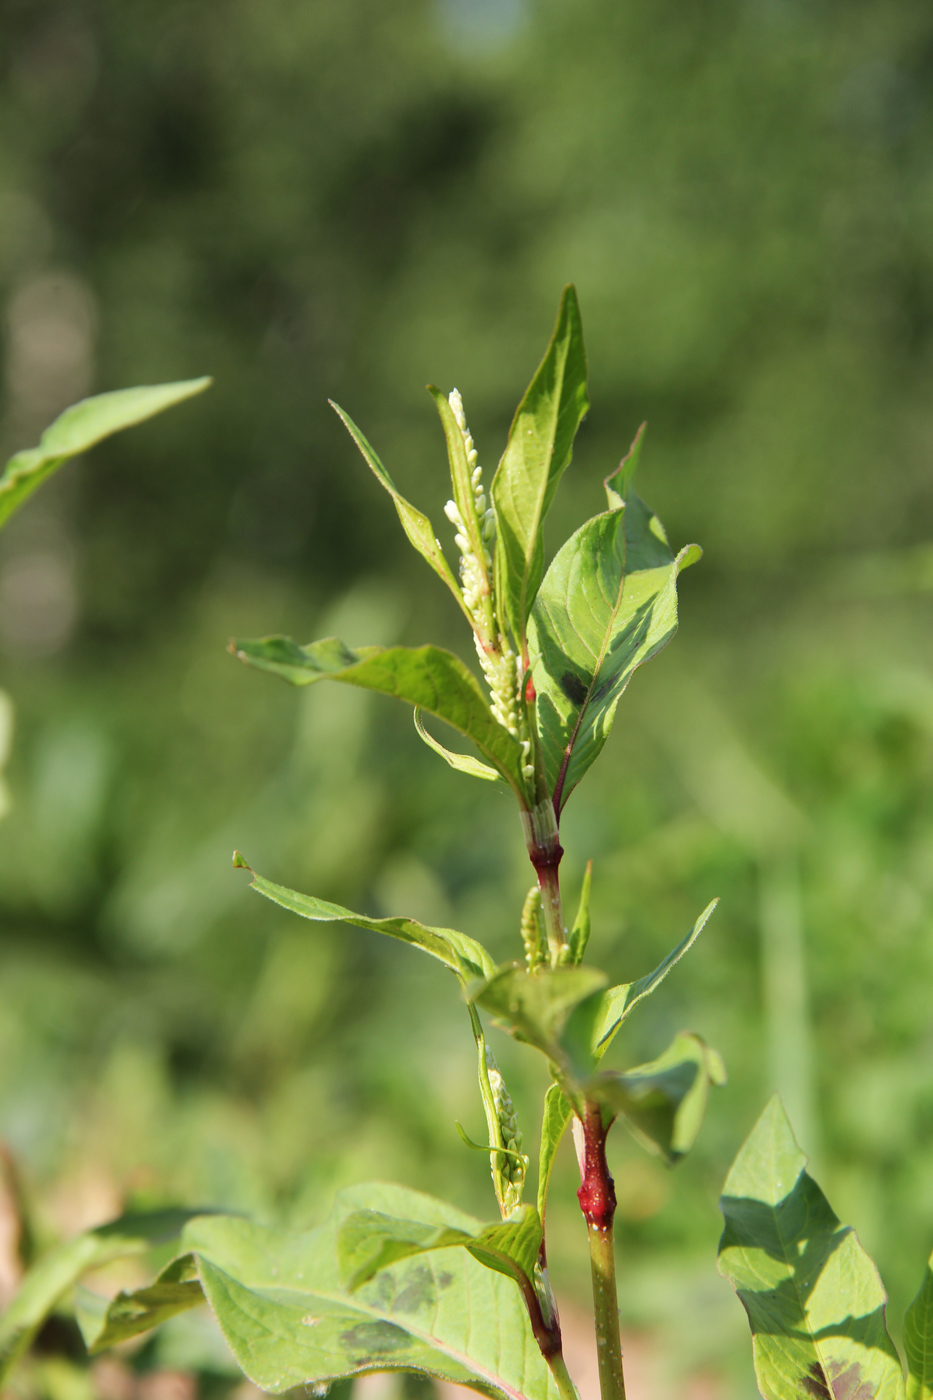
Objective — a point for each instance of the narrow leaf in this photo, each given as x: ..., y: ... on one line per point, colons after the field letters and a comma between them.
x: 81, y: 427
x: 580, y: 933
x: 618, y: 1002
x: 538, y: 452
x: 607, y: 605
x: 557, y: 1113
x: 460, y: 761
x: 290, y: 1320
x: 814, y: 1300
x: 664, y: 1102
x: 57, y: 1272
x: 417, y: 526
x: 370, y: 1241
x: 918, y: 1340
x: 105, y: 1322
x: 463, y: 955
x: 427, y: 677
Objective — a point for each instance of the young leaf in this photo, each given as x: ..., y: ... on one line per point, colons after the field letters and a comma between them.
x: 60, y: 1270
x: 664, y: 1102
x: 463, y: 955
x: 369, y: 1241
x: 608, y: 603
x: 459, y: 761
x: 918, y: 1340
x: 580, y: 933
x: 557, y: 1113
x: 535, y: 1007
x: 291, y: 1321
x: 417, y: 526
x: 427, y: 677
x: 537, y: 454
x: 617, y: 1003
x: 814, y: 1300
x: 105, y: 1322
x: 82, y: 426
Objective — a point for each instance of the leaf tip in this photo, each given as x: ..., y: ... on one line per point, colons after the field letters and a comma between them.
x: 240, y: 862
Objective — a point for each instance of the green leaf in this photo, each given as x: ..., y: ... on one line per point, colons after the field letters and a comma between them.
x: 580, y: 933
x: 463, y: 955
x: 370, y: 1241
x: 460, y: 761
x: 428, y: 677
x: 417, y: 526
x: 537, y: 454
x: 536, y: 1006
x: 918, y: 1340
x: 105, y: 1322
x: 82, y: 426
x: 615, y: 1005
x: 291, y: 1321
x: 814, y: 1300
x: 608, y: 603
x: 57, y: 1272
x: 557, y: 1114
x: 664, y: 1102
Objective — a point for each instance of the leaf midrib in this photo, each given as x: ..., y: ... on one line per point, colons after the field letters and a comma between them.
x: 427, y: 1338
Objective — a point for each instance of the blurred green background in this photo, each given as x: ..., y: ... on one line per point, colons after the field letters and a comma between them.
x: 350, y: 198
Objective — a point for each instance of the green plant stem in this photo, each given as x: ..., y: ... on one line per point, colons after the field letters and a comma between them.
x: 597, y: 1199
x: 558, y: 1369
x: 545, y: 852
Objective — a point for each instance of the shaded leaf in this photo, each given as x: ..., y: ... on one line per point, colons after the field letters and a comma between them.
x: 463, y: 955
x: 611, y: 1009
x: 105, y: 1322
x: 460, y: 761
x: 537, y: 454
x: 918, y: 1340
x: 608, y: 603
x: 664, y: 1102
x: 417, y: 526
x: 370, y: 1241
x: 814, y: 1300
x: 60, y: 1270
x: 428, y: 677
x: 82, y: 426
x: 290, y: 1320
x: 536, y: 1006
x: 557, y: 1114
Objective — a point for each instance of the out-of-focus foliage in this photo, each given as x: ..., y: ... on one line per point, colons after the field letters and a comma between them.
x: 350, y: 198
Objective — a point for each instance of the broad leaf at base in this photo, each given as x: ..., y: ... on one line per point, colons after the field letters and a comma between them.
x: 814, y: 1300
x: 918, y: 1340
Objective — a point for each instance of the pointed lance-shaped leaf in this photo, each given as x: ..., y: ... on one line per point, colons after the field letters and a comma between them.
x: 104, y: 1322
x: 537, y: 454
x: 58, y: 1271
x: 663, y: 1102
x: 463, y: 955
x: 82, y: 426
x: 460, y: 762
x: 608, y: 603
x: 427, y: 677
x: 918, y: 1340
x: 814, y: 1299
x: 557, y: 1114
x: 416, y: 525
x: 290, y: 1319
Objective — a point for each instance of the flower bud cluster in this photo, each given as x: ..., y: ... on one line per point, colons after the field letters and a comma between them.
x: 511, y: 1168
x: 496, y: 657
x: 532, y: 931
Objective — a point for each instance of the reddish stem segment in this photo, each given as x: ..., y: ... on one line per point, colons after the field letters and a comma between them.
x: 597, y: 1197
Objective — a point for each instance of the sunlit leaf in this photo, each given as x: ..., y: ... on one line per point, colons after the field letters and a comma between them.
x: 428, y: 677
x: 462, y: 762
x: 290, y: 1320
x: 537, y: 454
x: 81, y: 427
x: 105, y: 1322
x: 814, y: 1300
x: 616, y: 1004
x: 918, y: 1340
x: 557, y: 1114
x: 417, y: 526
x: 580, y: 933
x: 536, y: 1006
x: 57, y: 1272
x: 664, y: 1102
x: 608, y: 603
x: 463, y: 955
